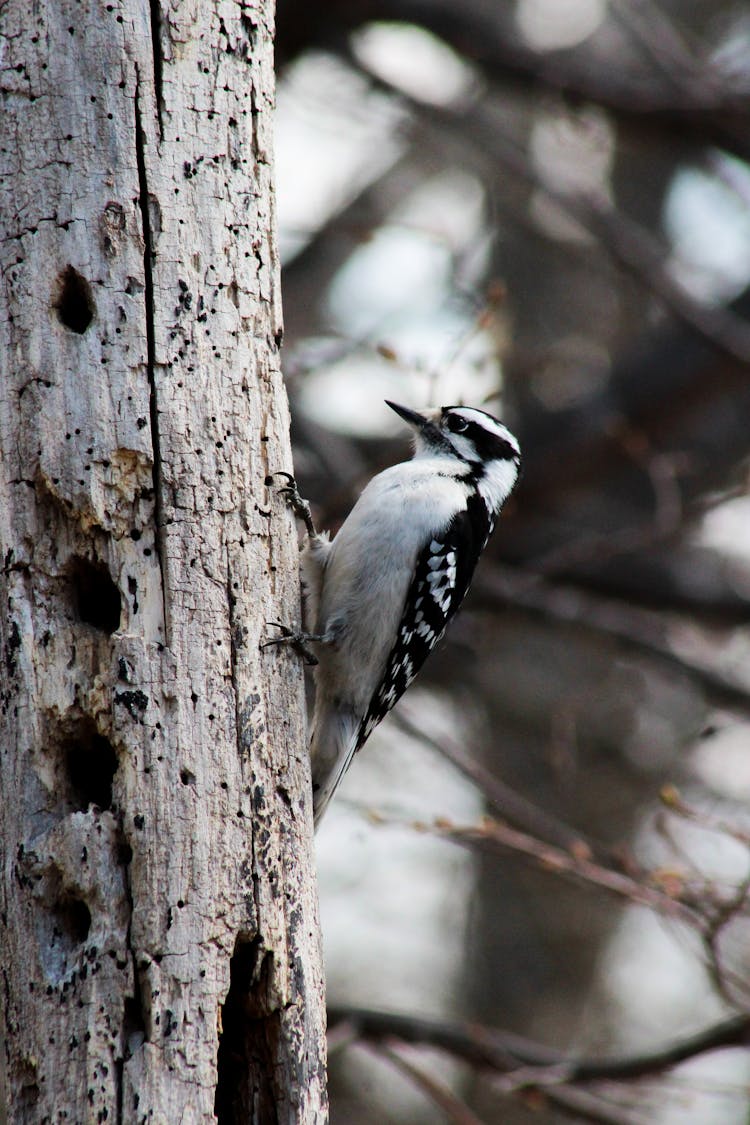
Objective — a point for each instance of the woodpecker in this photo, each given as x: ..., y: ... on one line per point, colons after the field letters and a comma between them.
x: 379, y: 596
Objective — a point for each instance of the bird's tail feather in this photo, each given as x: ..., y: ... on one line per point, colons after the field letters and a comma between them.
x: 332, y: 746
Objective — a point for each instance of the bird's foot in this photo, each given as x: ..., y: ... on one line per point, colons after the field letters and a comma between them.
x: 296, y: 638
x: 297, y: 503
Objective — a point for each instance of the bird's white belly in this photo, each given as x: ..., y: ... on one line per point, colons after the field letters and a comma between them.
x: 369, y: 571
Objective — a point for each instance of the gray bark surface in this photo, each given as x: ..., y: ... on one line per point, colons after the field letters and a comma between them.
x: 159, y: 941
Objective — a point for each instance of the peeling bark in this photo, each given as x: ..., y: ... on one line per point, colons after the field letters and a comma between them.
x: 159, y: 943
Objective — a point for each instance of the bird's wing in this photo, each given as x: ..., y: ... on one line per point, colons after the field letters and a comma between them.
x: 442, y: 574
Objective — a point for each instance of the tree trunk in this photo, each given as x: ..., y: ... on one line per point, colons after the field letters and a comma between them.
x: 160, y: 948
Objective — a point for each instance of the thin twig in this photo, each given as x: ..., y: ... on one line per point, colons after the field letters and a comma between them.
x: 454, y: 1109
x: 584, y: 1105
x: 675, y: 901
x: 505, y: 800
x: 662, y: 42
x: 728, y: 983
x: 673, y: 800
x: 497, y: 835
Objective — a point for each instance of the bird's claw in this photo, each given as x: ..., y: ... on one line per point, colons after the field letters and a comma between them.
x: 294, y: 637
x: 296, y: 502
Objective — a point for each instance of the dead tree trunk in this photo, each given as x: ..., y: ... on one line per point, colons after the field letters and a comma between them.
x: 159, y: 944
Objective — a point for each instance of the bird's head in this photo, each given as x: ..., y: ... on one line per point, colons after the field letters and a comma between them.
x: 487, y: 447
x: 460, y: 431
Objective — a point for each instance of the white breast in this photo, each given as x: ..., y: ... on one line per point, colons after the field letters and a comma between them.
x: 370, y: 566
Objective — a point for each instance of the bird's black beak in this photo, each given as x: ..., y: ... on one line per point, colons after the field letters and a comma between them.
x: 428, y: 435
x: 411, y: 416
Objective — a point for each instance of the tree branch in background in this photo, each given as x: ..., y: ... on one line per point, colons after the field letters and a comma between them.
x: 666, y: 45
x: 454, y: 1109
x: 580, y: 1104
x: 667, y: 893
x: 673, y: 801
x: 703, y: 908
x: 635, y: 249
x: 709, y: 107
x: 531, y: 1065
x: 575, y: 1102
x: 504, y: 1051
x: 505, y: 800
x: 729, y: 985
x: 647, y: 630
x: 493, y: 835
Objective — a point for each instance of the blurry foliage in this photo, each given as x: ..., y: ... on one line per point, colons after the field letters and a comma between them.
x: 544, y: 205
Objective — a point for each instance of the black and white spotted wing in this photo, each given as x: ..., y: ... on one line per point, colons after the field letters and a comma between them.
x: 442, y: 575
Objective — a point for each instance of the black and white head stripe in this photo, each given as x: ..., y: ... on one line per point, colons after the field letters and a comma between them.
x: 471, y: 435
x: 476, y: 436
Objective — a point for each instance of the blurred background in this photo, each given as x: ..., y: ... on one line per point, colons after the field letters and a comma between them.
x: 541, y: 207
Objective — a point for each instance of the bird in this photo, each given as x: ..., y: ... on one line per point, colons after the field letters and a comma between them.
x: 379, y: 595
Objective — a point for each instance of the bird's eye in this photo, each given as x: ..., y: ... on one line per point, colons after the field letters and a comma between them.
x: 456, y: 424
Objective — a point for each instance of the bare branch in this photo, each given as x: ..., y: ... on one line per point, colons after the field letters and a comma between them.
x: 648, y: 630
x: 710, y: 106
x: 664, y: 44
x: 504, y: 1051
x: 635, y: 249
x: 505, y: 800
x: 495, y: 835
x: 583, y: 1105
x: 639, y: 252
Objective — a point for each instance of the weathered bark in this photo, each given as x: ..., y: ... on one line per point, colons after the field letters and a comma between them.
x: 155, y: 826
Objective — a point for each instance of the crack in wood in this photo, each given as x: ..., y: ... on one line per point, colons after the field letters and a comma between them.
x: 148, y: 277
x: 234, y: 640
x: 156, y: 54
x: 133, y: 1016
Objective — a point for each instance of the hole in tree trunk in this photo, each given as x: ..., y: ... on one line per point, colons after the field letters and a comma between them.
x: 63, y: 922
x: 75, y: 304
x: 96, y: 597
x: 90, y: 762
x: 28, y: 1090
x: 72, y: 921
x: 247, y: 1062
x: 134, y: 1023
